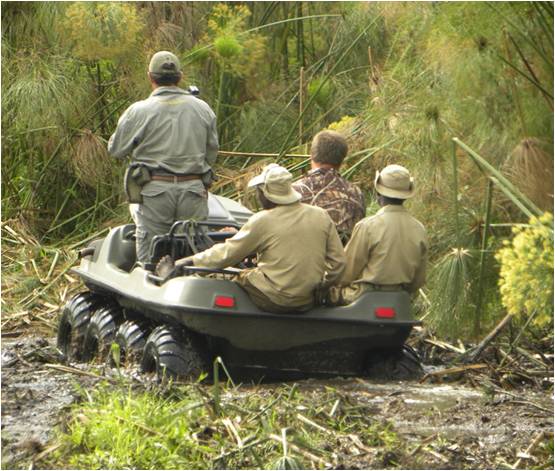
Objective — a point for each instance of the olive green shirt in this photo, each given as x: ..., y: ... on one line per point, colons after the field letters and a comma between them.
x: 171, y: 130
x: 296, y: 245
x: 389, y: 248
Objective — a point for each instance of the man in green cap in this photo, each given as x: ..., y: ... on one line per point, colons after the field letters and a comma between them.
x: 297, y: 248
x: 387, y: 251
x: 172, y: 138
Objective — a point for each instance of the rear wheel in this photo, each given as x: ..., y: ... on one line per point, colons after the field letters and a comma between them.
x: 73, y: 323
x: 172, y: 354
x: 131, y: 339
x: 101, y: 331
x: 392, y: 365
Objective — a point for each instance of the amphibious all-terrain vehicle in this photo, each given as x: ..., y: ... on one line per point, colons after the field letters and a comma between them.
x: 177, y: 327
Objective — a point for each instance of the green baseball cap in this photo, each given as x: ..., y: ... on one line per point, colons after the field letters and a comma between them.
x: 164, y: 63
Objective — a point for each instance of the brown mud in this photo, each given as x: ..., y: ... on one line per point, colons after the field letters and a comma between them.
x: 442, y: 426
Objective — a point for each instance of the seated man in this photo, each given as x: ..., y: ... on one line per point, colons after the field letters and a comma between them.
x: 387, y: 251
x: 326, y: 188
x: 297, y: 248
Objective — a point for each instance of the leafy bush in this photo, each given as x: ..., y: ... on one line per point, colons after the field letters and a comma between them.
x: 103, y: 30
x: 527, y: 271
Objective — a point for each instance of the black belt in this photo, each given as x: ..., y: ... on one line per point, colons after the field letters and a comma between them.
x: 173, y: 177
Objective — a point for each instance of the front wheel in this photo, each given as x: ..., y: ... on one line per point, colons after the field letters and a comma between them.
x: 173, y: 354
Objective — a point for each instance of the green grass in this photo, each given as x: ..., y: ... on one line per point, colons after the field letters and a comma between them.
x: 177, y: 428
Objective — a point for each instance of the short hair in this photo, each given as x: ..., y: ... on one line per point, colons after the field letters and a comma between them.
x: 328, y: 147
x: 165, y: 79
x: 387, y: 200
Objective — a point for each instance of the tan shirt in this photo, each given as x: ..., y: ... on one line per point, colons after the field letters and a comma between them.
x: 388, y: 248
x: 296, y: 246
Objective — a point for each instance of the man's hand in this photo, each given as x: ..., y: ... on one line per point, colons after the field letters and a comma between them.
x: 167, y: 268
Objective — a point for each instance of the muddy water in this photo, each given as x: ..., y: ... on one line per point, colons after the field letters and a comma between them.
x: 474, y: 428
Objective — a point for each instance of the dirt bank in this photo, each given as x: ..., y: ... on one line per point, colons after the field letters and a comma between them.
x: 442, y: 426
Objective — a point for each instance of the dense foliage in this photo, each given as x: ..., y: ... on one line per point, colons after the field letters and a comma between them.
x: 399, y: 79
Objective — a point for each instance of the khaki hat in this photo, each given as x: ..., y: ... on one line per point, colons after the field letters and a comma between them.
x: 394, y: 181
x: 164, y: 63
x: 276, y: 184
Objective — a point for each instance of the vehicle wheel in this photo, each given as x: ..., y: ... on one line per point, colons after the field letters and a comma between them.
x: 172, y: 353
x: 73, y: 323
x: 403, y: 364
x: 131, y: 338
x: 101, y: 331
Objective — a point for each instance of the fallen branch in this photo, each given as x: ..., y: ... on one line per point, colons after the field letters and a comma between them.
x: 533, y: 445
x: 301, y: 451
x: 458, y: 369
x: 43, y: 454
x: 254, y: 154
x: 471, y: 355
x: 244, y: 448
x: 76, y: 371
x: 445, y: 346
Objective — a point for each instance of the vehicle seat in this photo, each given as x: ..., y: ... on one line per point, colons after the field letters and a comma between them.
x: 185, y: 238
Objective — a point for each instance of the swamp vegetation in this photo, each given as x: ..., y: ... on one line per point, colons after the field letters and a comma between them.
x: 460, y: 93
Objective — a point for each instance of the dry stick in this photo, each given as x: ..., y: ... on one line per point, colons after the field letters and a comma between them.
x: 233, y: 431
x: 76, y: 371
x: 26, y: 302
x: 258, y: 154
x: 533, y: 445
x: 430, y: 439
x: 457, y: 369
x: 303, y: 452
x: 244, y: 448
x: 43, y: 454
x: 444, y: 345
x: 471, y: 355
x: 513, y: 343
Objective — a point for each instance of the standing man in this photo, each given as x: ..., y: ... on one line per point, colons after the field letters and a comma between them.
x: 387, y: 251
x: 296, y: 245
x: 326, y: 188
x: 172, y: 140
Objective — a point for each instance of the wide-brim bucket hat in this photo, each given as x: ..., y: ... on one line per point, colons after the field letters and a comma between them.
x: 394, y: 181
x: 275, y: 182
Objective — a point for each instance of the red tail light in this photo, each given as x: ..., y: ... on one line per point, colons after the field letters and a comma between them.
x: 385, y: 312
x: 224, y: 301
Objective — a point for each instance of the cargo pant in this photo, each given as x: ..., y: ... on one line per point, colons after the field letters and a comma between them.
x: 262, y: 301
x: 343, y: 295
x: 163, y: 204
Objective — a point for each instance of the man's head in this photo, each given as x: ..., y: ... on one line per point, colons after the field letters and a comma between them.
x: 164, y: 69
x: 393, y: 185
x: 274, y: 185
x: 328, y: 149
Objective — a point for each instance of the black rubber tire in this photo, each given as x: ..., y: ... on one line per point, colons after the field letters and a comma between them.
x: 173, y: 353
x: 131, y: 338
x: 101, y: 331
x: 73, y: 323
x: 394, y: 365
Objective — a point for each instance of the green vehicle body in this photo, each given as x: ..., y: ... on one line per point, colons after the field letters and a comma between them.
x: 325, y: 339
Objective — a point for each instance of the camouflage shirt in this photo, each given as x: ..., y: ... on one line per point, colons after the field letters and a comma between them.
x: 343, y: 201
